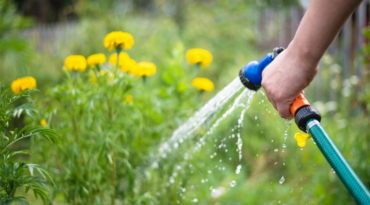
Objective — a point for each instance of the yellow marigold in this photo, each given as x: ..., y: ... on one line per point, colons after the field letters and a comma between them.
x: 96, y: 59
x: 122, y: 58
x: 143, y: 69
x: 203, y: 84
x: 129, y: 99
x: 199, y: 55
x: 22, y: 84
x: 118, y: 39
x: 128, y: 65
x: 75, y: 62
x: 43, y: 122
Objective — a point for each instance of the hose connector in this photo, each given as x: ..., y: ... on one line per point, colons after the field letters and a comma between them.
x: 302, y: 111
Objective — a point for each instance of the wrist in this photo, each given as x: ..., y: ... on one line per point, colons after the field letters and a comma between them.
x: 305, y: 54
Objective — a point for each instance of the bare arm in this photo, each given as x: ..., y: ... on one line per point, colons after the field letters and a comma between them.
x: 295, y: 68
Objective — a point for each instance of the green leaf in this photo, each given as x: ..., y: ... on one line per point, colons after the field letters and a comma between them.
x: 12, y: 154
x: 46, y: 175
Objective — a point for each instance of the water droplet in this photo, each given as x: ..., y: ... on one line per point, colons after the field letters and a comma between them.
x: 183, y: 190
x: 229, y: 158
x: 284, y: 146
x: 225, y: 150
x: 202, y: 180
x: 255, y: 117
x: 282, y: 180
x: 257, y: 155
x: 209, y: 172
x: 232, y: 183
x: 272, y: 140
x: 238, y: 169
x: 301, y: 148
x: 220, y: 160
x: 178, y: 167
x: 195, y: 200
x: 275, y: 150
x: 279, y: 201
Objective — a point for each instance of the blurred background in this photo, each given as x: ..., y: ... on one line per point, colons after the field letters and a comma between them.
x: 37, y: 35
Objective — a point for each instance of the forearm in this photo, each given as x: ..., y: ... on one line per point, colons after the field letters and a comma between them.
x: 320, y: 25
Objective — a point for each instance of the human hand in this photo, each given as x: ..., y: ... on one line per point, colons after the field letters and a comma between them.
x: 286, y: 77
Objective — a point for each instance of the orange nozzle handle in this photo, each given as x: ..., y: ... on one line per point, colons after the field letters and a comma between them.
x: 299, y: 102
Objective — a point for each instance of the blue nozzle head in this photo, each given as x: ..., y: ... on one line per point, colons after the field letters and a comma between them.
x: 251, y: 74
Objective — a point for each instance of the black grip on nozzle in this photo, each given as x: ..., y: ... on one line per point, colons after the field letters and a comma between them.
x: 277, y: 51
x: 246, y: 82
x: 304, y: 114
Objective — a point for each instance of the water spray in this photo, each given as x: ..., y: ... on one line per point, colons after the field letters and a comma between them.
x: 308, y: 120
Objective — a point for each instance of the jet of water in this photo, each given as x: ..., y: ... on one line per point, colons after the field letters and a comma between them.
x: 200, y: 118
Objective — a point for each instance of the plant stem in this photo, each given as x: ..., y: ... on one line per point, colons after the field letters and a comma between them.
x: 113, y: 166
x: 57, y: 162
x: 76, y: 136
x: 113, y: 177
x: 118, y: 51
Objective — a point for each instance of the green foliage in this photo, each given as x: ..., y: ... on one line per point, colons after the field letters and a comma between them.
x: 14, y: 175
x: 365, y: 61
x: 11, y: 22
x: 107, y: 138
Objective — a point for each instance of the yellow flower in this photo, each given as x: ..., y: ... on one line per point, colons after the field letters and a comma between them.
x: 129, y: 99
x: 128, y: 65
x: 96, y: 59
x: 118, y: 39
x: 199, y: 55
x: 75, y: 62
x: 143, y: 69
x: 16, y: 86
x: 122, y: 58
x: 22, y: 84
x: 203, y: 84
x: 43, y: 122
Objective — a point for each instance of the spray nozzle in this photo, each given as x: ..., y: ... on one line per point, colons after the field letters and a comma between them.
x: 251, y: 77
x: 251, y: 74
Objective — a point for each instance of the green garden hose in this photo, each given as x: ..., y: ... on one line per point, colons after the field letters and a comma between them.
x: 339, y: 164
